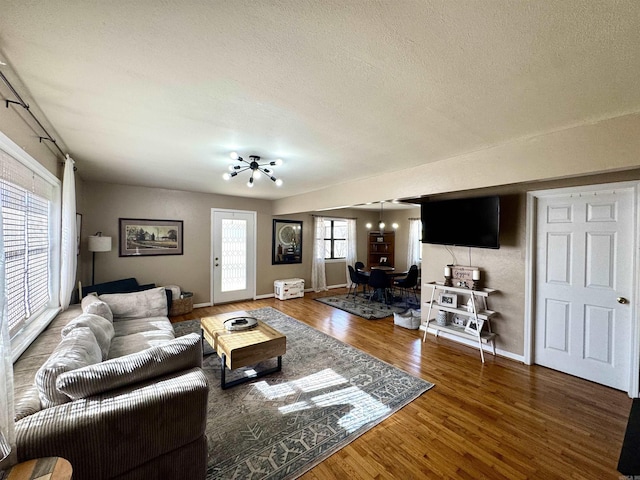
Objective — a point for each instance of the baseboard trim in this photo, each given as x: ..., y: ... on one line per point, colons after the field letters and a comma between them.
x: 201, y: 305
x: 471, y: 343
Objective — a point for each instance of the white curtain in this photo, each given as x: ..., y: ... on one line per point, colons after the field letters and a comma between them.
x: 7, y: 432
x: 352, y: 242
x: 68, y: 244
x: 414, y: 247
x: 318, y: 276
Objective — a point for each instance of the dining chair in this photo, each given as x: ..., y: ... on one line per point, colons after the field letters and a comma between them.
x: 356, y: 281
x: 409, y: 284
x: 364, y: 279
x: 380, y: 283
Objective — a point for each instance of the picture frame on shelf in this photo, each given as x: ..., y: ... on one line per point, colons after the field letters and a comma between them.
x: 474, y: 326
x: 144, y: 237
x: 448, y: 299
x: 462, y: 276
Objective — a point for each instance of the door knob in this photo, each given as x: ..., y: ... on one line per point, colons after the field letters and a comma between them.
x: 622, y: 300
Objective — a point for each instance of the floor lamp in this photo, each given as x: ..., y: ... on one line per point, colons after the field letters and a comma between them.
x: 98, y: 243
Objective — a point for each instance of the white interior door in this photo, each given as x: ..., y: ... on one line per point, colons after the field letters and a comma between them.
x: 584, y: 284
x: 233, y: 255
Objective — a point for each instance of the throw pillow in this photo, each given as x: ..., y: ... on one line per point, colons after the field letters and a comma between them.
x: 148, y: 303
x: 178, y: 354
x: 100, y: 326
x: 92, y: 304
x: 78, y: 349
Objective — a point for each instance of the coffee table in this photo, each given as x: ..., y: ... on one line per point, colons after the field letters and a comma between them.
x: 242, y: 348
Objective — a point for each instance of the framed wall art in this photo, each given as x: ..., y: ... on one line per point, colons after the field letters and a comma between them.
x: 142, y: 237
x: 78, y: 231
x: 287, y: 242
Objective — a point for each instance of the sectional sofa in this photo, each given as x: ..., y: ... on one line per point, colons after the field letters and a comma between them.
x: 108, y: 387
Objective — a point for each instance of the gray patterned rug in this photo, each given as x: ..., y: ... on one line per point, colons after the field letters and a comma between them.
x: 279, y: 426
x: 365, y: 309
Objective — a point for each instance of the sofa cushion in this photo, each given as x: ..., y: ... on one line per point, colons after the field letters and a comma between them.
x: 140, y: 325
x: 78, y: 349
x: 101, y: 327
x: 147, y: 303
x: 92, y: 304
x: 117, y: 286
x: 179, y: 354
x: 137, y: 342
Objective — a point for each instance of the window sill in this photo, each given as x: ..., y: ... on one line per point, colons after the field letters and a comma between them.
x: 28, y: 334
x: 335, y: 260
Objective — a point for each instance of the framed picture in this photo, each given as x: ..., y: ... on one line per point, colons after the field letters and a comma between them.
x: 474, y: 326
x: 141, y: 237
x: 448, y: 299
x: 78, y: 231
x: 287, y: 242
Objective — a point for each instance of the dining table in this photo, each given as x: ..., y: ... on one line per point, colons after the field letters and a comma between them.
x: 391, y: 273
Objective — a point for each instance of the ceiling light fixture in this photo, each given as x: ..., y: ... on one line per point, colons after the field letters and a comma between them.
x: 255, y: 166
x: 380, y: 222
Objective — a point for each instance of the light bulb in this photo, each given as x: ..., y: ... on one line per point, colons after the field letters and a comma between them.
x: 279, y: 182
x: 381, y: 225
x: 278, y: 161
x: 231, y: 168
x: 226, y: 176
x: 234, y: 155
x: 250, y: 183
x: 368, y: 225
x: 394, y: 225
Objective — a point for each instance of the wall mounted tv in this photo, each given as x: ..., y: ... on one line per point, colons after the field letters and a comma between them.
x: 465, y: 222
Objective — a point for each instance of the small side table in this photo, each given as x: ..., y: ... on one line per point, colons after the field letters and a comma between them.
x: 49, y: 468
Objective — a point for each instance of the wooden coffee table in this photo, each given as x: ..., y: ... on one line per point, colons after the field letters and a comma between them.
x: 49, y: 468
x: 242, y: 348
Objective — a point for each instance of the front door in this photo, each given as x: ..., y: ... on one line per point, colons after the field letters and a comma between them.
x: 584, y: 283
x: 233, y: 254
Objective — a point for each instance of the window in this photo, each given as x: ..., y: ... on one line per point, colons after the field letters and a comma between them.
x: 25, y: 219
x: 30, y: 202
x: 335, y: 239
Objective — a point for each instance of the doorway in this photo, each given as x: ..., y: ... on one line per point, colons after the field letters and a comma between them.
x: 583, y: 282
x: 233, y: 255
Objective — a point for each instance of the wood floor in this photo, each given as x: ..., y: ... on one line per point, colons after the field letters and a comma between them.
x: 501, y: 420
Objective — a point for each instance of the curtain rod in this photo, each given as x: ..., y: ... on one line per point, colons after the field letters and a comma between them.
x: 334, y: 216
x: 24, y: 105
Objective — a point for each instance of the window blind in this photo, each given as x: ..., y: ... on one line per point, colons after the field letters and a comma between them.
x: 26, y: 205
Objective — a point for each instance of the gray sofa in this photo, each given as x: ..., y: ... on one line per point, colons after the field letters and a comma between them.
x: 109, y: 388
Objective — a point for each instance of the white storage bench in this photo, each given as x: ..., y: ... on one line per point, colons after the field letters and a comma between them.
x: 289, y: 288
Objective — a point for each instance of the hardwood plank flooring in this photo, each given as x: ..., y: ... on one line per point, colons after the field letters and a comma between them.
x: 500, y: 420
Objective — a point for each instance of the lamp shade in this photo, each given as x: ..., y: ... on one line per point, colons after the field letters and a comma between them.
x: 99, y: 243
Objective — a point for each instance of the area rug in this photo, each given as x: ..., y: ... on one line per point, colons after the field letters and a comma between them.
x: 365, y: 309
x: 327, y: 394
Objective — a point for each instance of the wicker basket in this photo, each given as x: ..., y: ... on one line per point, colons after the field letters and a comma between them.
x: 180, y: 306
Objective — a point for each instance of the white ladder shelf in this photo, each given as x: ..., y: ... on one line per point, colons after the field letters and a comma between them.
x: 479, y: 313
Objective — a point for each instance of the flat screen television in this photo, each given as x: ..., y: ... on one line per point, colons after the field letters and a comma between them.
x: 465, y: 222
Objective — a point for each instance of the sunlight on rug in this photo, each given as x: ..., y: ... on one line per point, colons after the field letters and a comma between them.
x: 327, y: 394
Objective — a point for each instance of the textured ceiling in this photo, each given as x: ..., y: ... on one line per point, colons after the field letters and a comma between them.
x: 157, y: 93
